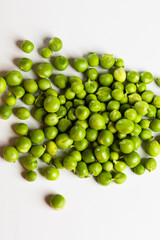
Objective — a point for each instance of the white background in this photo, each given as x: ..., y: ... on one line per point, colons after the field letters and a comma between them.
x: 128, y: 29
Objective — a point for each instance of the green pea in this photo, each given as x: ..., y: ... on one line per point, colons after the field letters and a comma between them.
x: 94, y: 106
x: 141, y: 87
x: 115, y: 115
x: 104, y: 178
x: 21, y: 129
x: 90, y: 86
x: 51, y: 91
x: 115, y: 147
x: 58, y: 162
x: 44, y: 84
x: 46, y: 157
x: 25, y: 64
x: 158, y: 114
x: 69, y: 94
x: 107, y: 61
x: 29, y: 163
x: 3, y: 85
x: 69, y: 163
x: 147, y: 96
x: 107, y: 166
x: 50, y: 132
x: 106, y: 138
x: 146, y: 134
x: 64, y: 124
x: 81, y: 145
x: 76, y: 155
x: 68, y: 105
x: 74, y: 78
x: 119, y: 177
x: 39, y: 101
x: 18, y: 91
x: 156, y: 101
x: 141, y: 107
x: 136, y: 141
x: 119, y: 62
x: 13, y: 78
x: 10, y: 154
x: 101, y: 153
x: 23, y: 144
x: 114, y: 156
x: 82, y: 170
x: 130, y: 88
x: 5, y: 111
x: 124, y: 99
x: 145, y: 123
x: 51, y: 173
x: 46, y: 53
x: 77, y: 87
x: 124, y: 107
x: 111, y: 127
x: 90, y: 97
x: 93, y: 60
x: 139, y: 169
x: 81, y: 95
x: 31, y: 176
x: 151, y: 111
x: 62, y: 99
x: 117, y: 94
x: 95, y: 169
x: 30, y: 86
x: 22, y: 113
x: 55, y: 44
x: 57, y: 202
x: 71, y: 114
x: 146, y: 77
x: 82, y: 112
x: 63, y: 141
x: 27, y: 46
x: 92, y: 73
x: 39, y: 114
x: 61, y: 63
x: 130, y: 114
x: 51, y: 104
x: 80, y: 64
x: 104, y: 94
x: 91, y: 134
x: 96, y: 121
x: 77, y: 133
x: 82, y: 123
x: 138, y: 119
x: 157, y: 81
x: 126, y: 146
x: 132, y: 159
x: 119, y: 74
x: 113, y: 105
x: 118, y: 85
x: 133, y: 98
x: 137, y: 130
x: 105, y: 116
x: 121, y: 135
x: 36, y: 136
x: 119, y: 166
x: 125, y: 126
x: 152, y: 148
x: 88, y: 156
x: 133, y: 77
x: 155, y: 125
x: 150, y: 164
x: 103, y: 107
x: 60, y: 81
x: 51, y: 148
x: 44, y: 70
x: 51, y: 119
x: 28, y: 99
x: 37, y: 150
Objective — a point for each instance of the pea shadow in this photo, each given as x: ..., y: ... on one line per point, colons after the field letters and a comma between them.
x: 15, y: 61
x: 48, y: 197
x: 19, y: 43
x: 3, y: 73
x: 70, y: 60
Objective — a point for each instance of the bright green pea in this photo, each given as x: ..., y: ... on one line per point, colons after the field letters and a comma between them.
x: 51, y: 148
x: 156, y: 101
x: 31, y: 176
x: 115, y: 146
x: 92, y: 73
x: 95, y: 169
x: 113, y: 105
x: 10, y: 100
x: 147, y: 96
x: 50, y: 132
x: 3, y: 85
x: 133, y: 98
x: 141, y: 107
x: 119, y: 74
x: 78, y: 102
x: 13, y: 78
x: 101, y: 153
x: 136, y: 141
x: 76, y: 87
x: 51, y: 173
x: 71, y: 114
x: 82, y: 170
x: 23, y: 144
x: 18, y: 91
x: 146, y: 134
x: 108, y: 166
x: 104, y: 178
x: 115, y: 115
x: 152, y: 148
x: 111, y: 127
x: 80, y: 64
x: 58, y: 162
x: 133, y: 77
x: 60, y: 81
x: 62, y: 99
x: 150, y: 164
x: 40, y: 114
x: 27, y: 46
x: 126, y: 146
x: 93, y: 60
x: 91, y: 134
x: 130, y: 88
x: 146, y: 77
x: 119, y: 166
x: 44, y: 70
x: 28, y: 99
x: 94, y: 106
x: 21, y: 129
x: 36, y: 136
x: 69, y: 94
x: 121, y: 135
x: 30, y: 86
x: 46, y: 157
x: 107, y: 61
x: 145, y: 123
x: 51, y: 91
x: 25, y: 64
x: 139, y: 169
x: 106, y: 79
x: 39, y: 101
x: 51, y: 119
x: 55, y: 44
x: 132, y: 159
x: 70, y: 163
x: 106, y: 138
x: 117, y: 94
x: 91, y: 86
x: 88, y: 156
x: 81, y: 145
x: 96, y: 121
x: 51, y: 104
x: 10, y: 154
x: 104, y: 94
x: 74, y: 78
x: 151, y: 111
x: 77, y: 133
x: 137, y: 130
x: 5, y: 111
x: 155, y: 125
x: 141, y: 87
x: 81, y: 95
x: 125, y: 126
x: 82, y: 123
x: 76, y: 155
x: 82, y: 112
x: 130, y: 114
x: 61, y: 63
x: 37, y: 150
x: 119, y: 62
x: 64, y: 124
x: 44, y: 84
x: 118, y: 85
x: 46, y: 53
x: 105, y: 115
x: 119, y: 177
x: 29, y: 163
x: 63, y: 141
x: 114, y: 156
x: 57, y: 202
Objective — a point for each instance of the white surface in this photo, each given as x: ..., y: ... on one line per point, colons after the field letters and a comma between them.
x: 128, y: 29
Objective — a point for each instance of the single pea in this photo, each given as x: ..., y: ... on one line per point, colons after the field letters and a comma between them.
x: 36, y: 136
x: 82, y: 170
x: 71, y: 114
x: 138, y: 118
x: 58, y: 162
x: 90, y: 97
x: 130, y: 88
x: 57, y: 202
x: 125, y: 99
x: 10, y: 100
x: 111, y: 127
x: 88, y: 156
x: 141, y: 87
x: 139, y: 169
x: 40, y: 114
x: 126, y: 146
x: 136, y: 141
x: 132, y: 159
x: 119, y: 74
x: 115, y: 147
x: 64, y: 124
x: 121, y: 135
x: 146, y: 77
x: 82, y: 112
x: 104, y: 94
x: 63, y: 141
x: 96, y: 121
x: 146, y: 134
x: 82, y: 123
x: 29, y: 163
x: 141, y: 107
x: 151, y: 111
x: 69, y: 94
x: 27, y: 46
x: 80, y: 64
x: 76, y: 155
x: 113, y: 105
x: 137, y: 130
x: 28, y: 99
x: 23, y: 144
x: 144, y: 123
x: 46, y: 157
x: 90, y: 86
x: 37, y: 150
x: 147, y: 96
x: 62, y: 99
x: 118, y: 85
x: 51, y: 104
x: 103, y: 107
x: 77, y: 133
x: 81, y: 145
x: 61, y: 63
x: 119, y: 62
x: 51, y: 119
x: 152, y: 148
x: 104, y: 178
x: 125, y: 126
x: 22, y: 113
x: 107, y: 61
x: 158, y: 114
x: 55, y: 44
x: 130, y: 114
x: 106, y: 138
x: 74, y: 78
x: 51, y: 173
x: 119, y: 166
x: 21, y: 129
x: 31, y: 176
x: 62, y: 112
x: 156, y: 101
x: 51, y: 148
x: 91, y: 134
x: 114, y: 156
x: 68, y: 105
x: 77, y: 87
x: 39, y: 101
x: 51, y: 91
x: 115, y: 115
x: 101, y: 153
x: 92, y: 73
x: 46, y: 53
x: 78, y: 102
x: 133, y: 77
x: 30, y: 86
x: 119, y: 177
x: 133, y: 98
x: 150, y: 164
x: 155, y: 125
x: 117, y: 94
x: 44, y: 70
x: 81, y: 95
x: 25, y: 64
x: 107, y: 166
x: 60, y: 81
x: 3, y: 85
x: 93, y: 59
x: 44, y: 84
x: 13, y: 78
x: 105, y: 116
x: 94, y: 106
x: 95, y: 169
x: 18, y: 91
x: 10, y: 154
x: 70, y: 163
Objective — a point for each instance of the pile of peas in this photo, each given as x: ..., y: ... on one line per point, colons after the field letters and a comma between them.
x: 99, y: 122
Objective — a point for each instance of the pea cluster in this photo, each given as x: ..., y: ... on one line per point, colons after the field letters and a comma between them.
x: 99, y: 121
